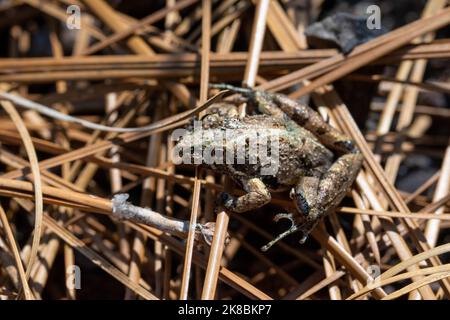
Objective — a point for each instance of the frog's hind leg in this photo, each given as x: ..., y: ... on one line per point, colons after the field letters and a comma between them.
x: 338, y: 179
x: 257, y: 195
x: 308, y: 118
x: 281, y: 106
x: 263, y: 101
x: 332, y: 187
x: 304, y: 194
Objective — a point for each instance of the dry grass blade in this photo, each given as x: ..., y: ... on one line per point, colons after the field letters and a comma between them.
x: 428, y: 24
x: 418, y: 284
x: 154, y: 17
x: 190, y: 240
x: 105, y: 100
x: 325, y: 282
x: 16, y: 254
x: 96, y: 258
x: 392, y: 272
x: 34, y: 164
x: 410, y: 215
x: 406, y: 275
x: 160, y: 126
x: 258, y: 31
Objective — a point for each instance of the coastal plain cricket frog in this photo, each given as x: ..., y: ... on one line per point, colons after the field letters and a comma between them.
x: 316, y: 162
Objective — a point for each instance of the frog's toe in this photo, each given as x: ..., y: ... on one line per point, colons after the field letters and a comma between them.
x: 288, y: 216
x: 306, y: 229
x: 303, y: 238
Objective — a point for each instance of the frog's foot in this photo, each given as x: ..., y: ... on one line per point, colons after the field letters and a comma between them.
x: 306, y: 229
x: 293, y: 228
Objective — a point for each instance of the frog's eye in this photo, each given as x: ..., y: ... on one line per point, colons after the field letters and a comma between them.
x: 204, y: 116
x: 209, y: 117
x: 210, y: 120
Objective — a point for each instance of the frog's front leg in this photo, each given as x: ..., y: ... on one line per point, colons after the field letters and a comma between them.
x: 257, y: 195
x: 311, y: 120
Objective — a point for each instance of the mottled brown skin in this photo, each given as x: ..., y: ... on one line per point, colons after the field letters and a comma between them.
x: 317, y: 162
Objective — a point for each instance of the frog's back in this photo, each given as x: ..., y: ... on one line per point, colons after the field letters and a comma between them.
x: 299, y: 151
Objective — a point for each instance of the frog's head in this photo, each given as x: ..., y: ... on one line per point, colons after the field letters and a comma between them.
x: 189, y: 145
x: 216, y: 114
x: 199, y: 145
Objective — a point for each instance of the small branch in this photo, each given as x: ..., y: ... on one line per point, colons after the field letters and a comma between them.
x: 52, y: 113
x: 123, y: 210
x: 118, y: 207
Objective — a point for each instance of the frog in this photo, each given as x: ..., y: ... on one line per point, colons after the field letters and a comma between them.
x: 317, y: 164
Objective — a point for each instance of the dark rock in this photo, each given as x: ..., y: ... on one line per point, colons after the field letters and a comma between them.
x: 342, y: 30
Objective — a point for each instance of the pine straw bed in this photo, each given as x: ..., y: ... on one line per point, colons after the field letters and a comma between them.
x: 58, y: 178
